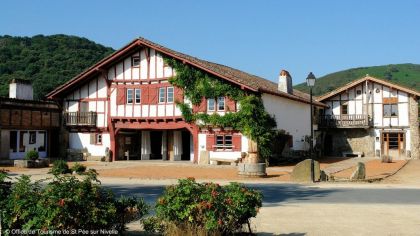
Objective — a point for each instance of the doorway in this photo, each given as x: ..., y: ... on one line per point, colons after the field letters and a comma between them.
x: 328, y: 145
x: 156, y: 145
x: 393, y: 145
x: 186, y: 146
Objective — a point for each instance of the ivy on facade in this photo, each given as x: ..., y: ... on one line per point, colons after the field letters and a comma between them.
x: 252, y: 119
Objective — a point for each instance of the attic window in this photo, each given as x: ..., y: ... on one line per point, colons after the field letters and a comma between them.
x: 135, y: 61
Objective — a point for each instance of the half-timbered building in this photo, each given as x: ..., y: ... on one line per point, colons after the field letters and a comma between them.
x: 27, y: 124
x: 126, y: 103
x: 372, y: 117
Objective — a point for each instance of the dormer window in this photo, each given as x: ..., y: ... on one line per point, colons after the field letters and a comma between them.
x: 135, y: 61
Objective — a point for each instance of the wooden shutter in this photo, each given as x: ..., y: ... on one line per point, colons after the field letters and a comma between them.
x: 153, y: 95
x: 210, y: 142
x: 121, y: 96
x: 144, y: 95
x: 179, y: 94
x: 237, y: 142
x: 92, y: 138
x: 203, y: 105
x: 290, y: 141
x: 230, y: 104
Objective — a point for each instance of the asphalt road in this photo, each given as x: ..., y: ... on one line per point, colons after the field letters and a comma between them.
x: 279, y: 194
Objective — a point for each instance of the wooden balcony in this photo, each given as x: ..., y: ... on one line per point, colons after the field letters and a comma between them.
x: 80, y: 118
x: 344, y: 121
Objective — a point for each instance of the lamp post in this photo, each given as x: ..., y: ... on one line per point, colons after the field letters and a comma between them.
x: 310, y: 82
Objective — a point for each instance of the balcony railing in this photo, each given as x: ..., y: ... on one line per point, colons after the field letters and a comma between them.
x: 344, y: 121
x: 80, y: 118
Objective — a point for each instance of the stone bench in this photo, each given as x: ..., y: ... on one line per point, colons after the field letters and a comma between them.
x: 218, y: 161
x: 347, y: 154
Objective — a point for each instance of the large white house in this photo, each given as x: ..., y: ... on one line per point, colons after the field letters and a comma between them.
x: 372, y: 117
x: 125, y: 103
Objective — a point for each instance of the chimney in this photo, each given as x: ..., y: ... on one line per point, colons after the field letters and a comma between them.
x: 285, y: 82
x: 21, y: 89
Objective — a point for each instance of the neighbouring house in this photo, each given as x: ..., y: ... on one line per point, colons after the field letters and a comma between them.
x: 372, y: 117
x: 26, y: 124
x: 126, y: 103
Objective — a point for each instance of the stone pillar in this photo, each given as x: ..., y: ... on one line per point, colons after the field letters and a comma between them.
x: 164, y: 145
x: 145, y: 145
x: 414, y: 128
x: 177, y: 145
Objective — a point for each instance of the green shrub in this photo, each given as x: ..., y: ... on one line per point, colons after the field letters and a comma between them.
x: 60, y: 167
x: 153, y: 224
x: 207, y: 207
x: 78, y: 168
x: 67, y: 203
x: 32, y: 155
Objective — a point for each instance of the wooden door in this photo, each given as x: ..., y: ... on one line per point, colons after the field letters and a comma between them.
x: 393, y: 145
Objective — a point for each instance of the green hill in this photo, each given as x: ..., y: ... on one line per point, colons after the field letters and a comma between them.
x: 407, y: 75
x: 47, y: 61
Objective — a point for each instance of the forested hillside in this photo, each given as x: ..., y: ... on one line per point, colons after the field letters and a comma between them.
x: 47, y: 61
x: 407, y: 75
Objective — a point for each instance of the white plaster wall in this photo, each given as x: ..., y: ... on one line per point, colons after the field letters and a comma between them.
x: 82, y: 140
x: 407, y: 140
x: 291, y: 116
x: 202, y: 141
x: 244, y: 143
x: 21, y: 91
x: 225, y: 155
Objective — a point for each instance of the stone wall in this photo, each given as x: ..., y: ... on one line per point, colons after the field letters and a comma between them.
x: 352, y: 140
x: 414, y: 128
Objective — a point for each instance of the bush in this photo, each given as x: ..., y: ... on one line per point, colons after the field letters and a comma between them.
x: 78, y: 168
x: 154, y: 225
x: 32, y: 155
x: 60, y: 167
x: 67, y: 203
x: 194, y: 207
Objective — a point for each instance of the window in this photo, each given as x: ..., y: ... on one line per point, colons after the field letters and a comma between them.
x: 344, y: 109
x: 170, y: 95
x: 162, y: 95
x: 224, y: 142
x: 221, y: 103
x: 390, y: 110
x: 135, y: 61
x: 211, y: 104
x: 358, y: 92
x: 32, y: 137
x: 129, y: 96
x: 98, y: 139
x: 137, y: 93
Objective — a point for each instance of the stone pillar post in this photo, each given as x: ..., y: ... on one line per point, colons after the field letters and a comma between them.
x: 177, y: 145
x: 145, y: 145
x: 164, y: 145
x: 414, y: 128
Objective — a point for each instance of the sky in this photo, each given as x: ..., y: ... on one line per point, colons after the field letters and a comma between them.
x: 259, y: 37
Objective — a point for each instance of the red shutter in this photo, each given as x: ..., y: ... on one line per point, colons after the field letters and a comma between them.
x: 179, y: 94
x: 236, y: 142
x: 153, y: 94
x: 210, y: 142
x: 121, y: 96
x: 144, y: 95
x: 202, y: 107
x: 230, y: 104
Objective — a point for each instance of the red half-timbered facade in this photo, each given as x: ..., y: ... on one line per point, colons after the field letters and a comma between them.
x: 126, y: 103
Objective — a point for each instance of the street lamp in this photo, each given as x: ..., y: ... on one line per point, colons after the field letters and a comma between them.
x: 310, y: 82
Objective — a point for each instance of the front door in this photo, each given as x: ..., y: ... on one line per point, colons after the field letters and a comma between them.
x: 393, y: 145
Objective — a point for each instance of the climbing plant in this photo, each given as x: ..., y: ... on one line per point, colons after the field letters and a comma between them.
x: 252, y: 119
